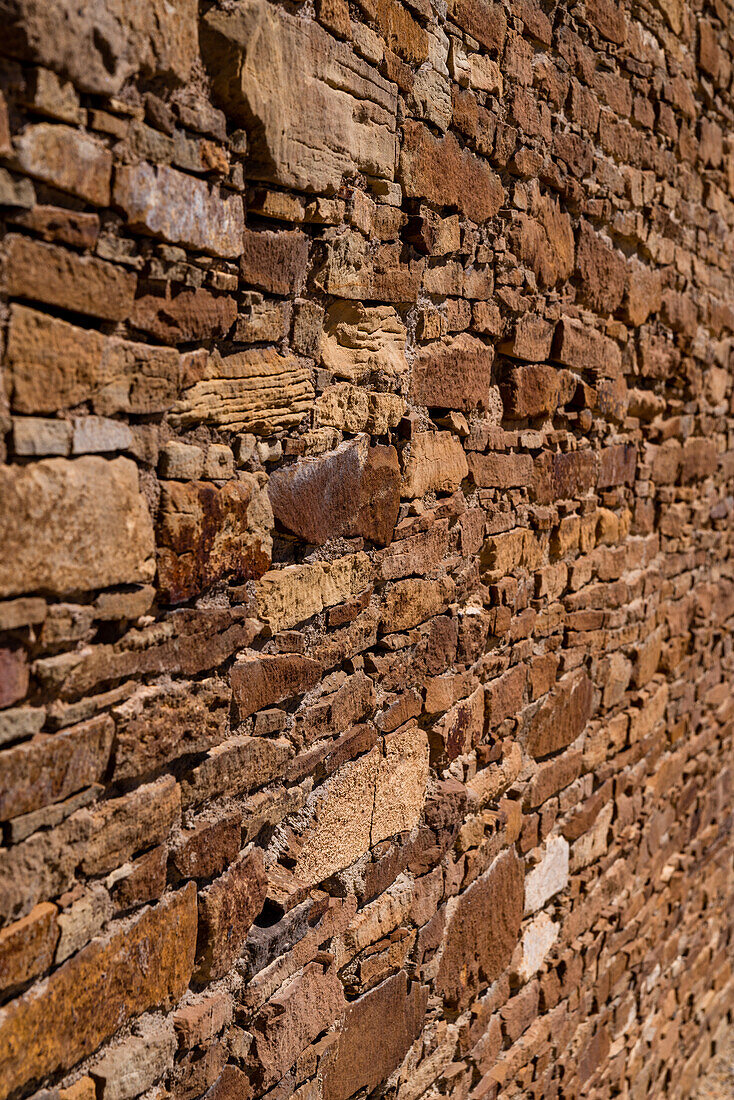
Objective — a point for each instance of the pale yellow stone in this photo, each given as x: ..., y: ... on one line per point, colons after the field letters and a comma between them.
x: 401, y: 782
x: 352, y: 409
x: 436, y: 462
x: 358, y: 340
x: 286, y: 597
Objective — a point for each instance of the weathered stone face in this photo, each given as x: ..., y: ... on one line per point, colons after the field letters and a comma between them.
x: 333, y: 113
x: 71, y: 525
x: 483, y: 930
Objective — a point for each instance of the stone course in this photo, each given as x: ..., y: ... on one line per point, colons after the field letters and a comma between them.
x: 366, y: 557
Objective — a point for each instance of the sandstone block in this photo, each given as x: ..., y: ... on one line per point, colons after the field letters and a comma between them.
x: 73, y: 525
x: 563, y: 476
x: 14, y: 675
x: 275, y: 262
x: 27, y: 947
x: 53, y: 366
x: 585, y: 349
x: 617, y: 465
x: 602, y: 271
x: 256, y: 391
x: 562, y: 716
x: 549, y: 876
x: 544, y: 242
x: 439, y: 170
x: 136, y: 1064
x: 206, y: 533
x: 148, y: 965
x: 483, y: 20
x: 531, y: 391
x: 48, y: 769
x: 159, y: 723
x: 500, y: 471
x: 454, y: 373
x: 307, y: 1004
x: 462, y: 727
x: 120, y: 827
x: 179, y: 208
x: 412, y: 601
x: 46, y: 273
x: 483, y: 927
x: 69, y: 159
x: 352, y: 409
x: 237, y: 766
x: 332, y: 113
x: 376, y: 1034
x: 191, y: 315
x: 262, y: 680
x: 401, y: 783
x: 354, y: 490
x: 359, y: 340
x: 289, y: 596
x: 537, y: 940
x: 436, y: 463
x: 227, y: 909
x: 101, y: 43
x: 531, y: 340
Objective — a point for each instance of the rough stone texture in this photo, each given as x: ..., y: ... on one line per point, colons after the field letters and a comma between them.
x: 366, y: 584
x: 90, y: 522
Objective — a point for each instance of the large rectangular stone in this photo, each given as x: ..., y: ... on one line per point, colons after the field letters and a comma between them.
x: 439, y: 170
x: 73, y: 525
x: 145, y: 965
x: 314, y: 109
x: 454, y: 373
x: 180, y: 208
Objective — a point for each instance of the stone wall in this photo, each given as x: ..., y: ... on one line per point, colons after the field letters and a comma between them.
x: 366, y: 560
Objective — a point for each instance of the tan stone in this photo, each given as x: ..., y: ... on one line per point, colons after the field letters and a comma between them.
x: 227, y: 909
x: 73, y: 525
x: 360, y: 340
x: 256, y: 391
x: 545, y: 242
x: 146, y: 965
x: 436, y: 463
x: 454, y: 373
x: 291, y: 595
x: 68, y: 159
x: 53, y: 365
x: 179, y: 208
x: 401, y: 782
x: 316, y: 111
x: 101, y: 43
x: 412, y: 601
x: 27, y: 947
x: 353, y: 409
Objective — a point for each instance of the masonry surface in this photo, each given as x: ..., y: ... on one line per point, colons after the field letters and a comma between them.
x: 366, y: 578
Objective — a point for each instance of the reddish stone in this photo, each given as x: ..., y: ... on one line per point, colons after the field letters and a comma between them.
x: 208, y: 848
x: 563, y: 476
x: 439, y: 170
x: 262, y: 680
x: 227, y: 909
x: 531, y: 391
x: 483, y: 20
x: 13, y: 675
x: 531, y: 339
x: 562, y: 716
x: 206, y: 533
x: 483, y: 930
x: 275, y: 262
x: 377, y: 1033
x: 500, y: 471
x: 585, y: 349
x: 354, y: 490
x: 617, y: 465
x: 144, y: 965
x: 602, y: 271
x: 504, y: 696
x: 454, y: 373
x: 27, y: 947
x: 191, y: 315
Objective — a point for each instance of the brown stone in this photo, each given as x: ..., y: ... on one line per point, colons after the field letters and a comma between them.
x: 482, y: 931
x: 505, y: 695
x: 120, y: 827
x: 237, y: 766
x: 531, y: 339
x: 500, y: 471
x: 483, y: 20
x: 439, y: 170
x: 27, y: 947
x: 48, y: 769
x: 544, y: 242
x: 308, y: 1004
x: 376, y: 1034
x: 102, y: 43
x: 208, y: 848
x: 232, y: 1084
x: 68, y: 159
x: 454, y: 373
x: 617, y: 465
x: 601, y: 269
x: 158, y: 724
x: 144, y: 881
x: 562, y: 716
x: 354, y: 490
x: 14, y: 675
x: 331, y: 111
x: 531, y: 391
x: 585, y: 349
x: 53, y: 365
x: 207, y: 533
x: 563, y: 476
x: 227, y: 909
x: 437, y: 462
x: 412, y: 601
x: 146, y: 965
x: 179, y: 208
x: 275, y: 262
x: 189, y: 316
x: 55, y: 224
x: 700, y: 459
x: 73, y: 525
x: 46, y: 273
x: 261, y: 680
